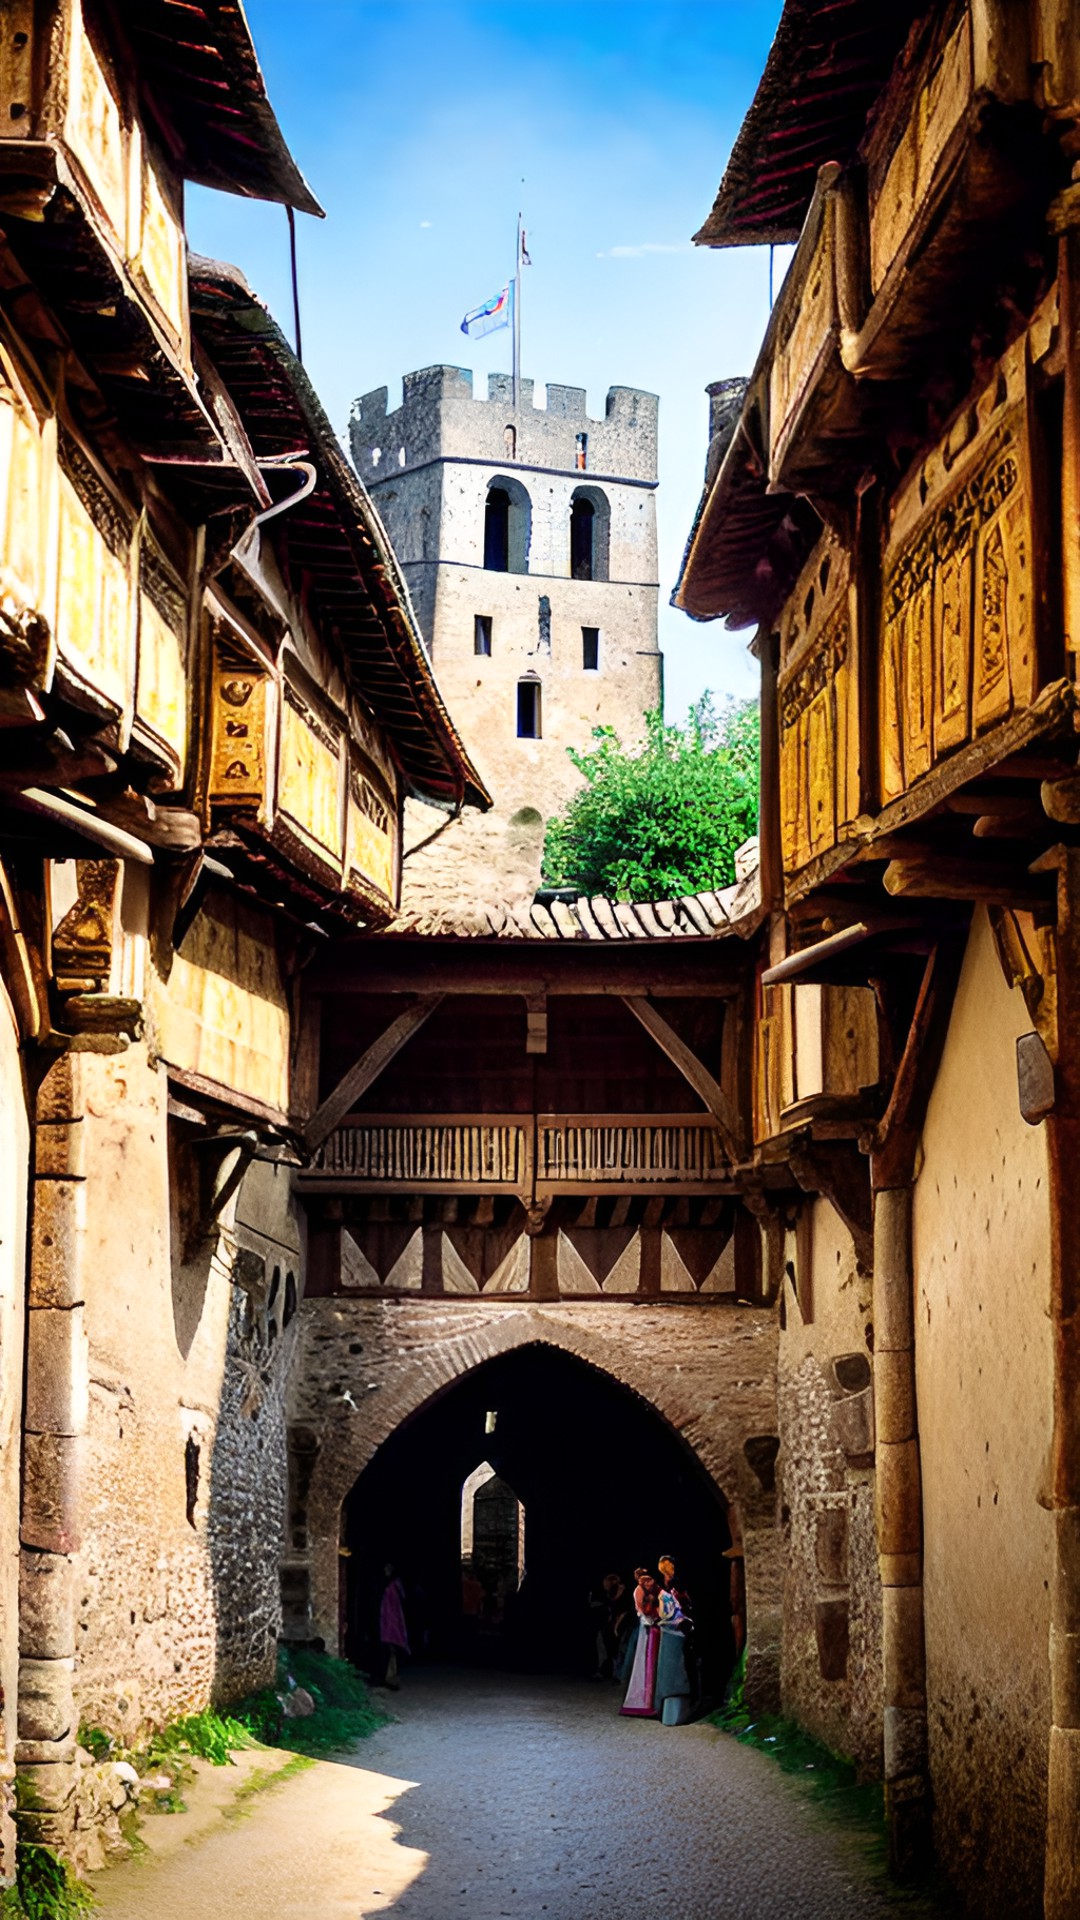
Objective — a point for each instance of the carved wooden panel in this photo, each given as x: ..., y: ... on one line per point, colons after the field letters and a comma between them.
x: 942, y: 99
x: 238, y: 733
x: 223, y: 1016
x: 960, y: 606
x: 805, y: 327
x: 84, y: 939
x: 372, y: 831
x: 94, y: 615
x: 27, y: 485
x: 818, y: 702
x: 310, y: 772
x: 161, y: 701
x: 94, y: 127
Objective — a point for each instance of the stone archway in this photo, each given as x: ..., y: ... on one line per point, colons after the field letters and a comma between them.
x: 366, y: 1366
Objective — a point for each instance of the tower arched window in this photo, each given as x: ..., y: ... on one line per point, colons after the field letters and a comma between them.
x: 528, y: 707
x: 507, y: 527
x: 590, y: 526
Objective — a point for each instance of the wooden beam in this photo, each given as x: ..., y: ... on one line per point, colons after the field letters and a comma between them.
x: 896, y: 1140
x: 693, y: 1072
x: 365, y: 1071
x: 926, y: 875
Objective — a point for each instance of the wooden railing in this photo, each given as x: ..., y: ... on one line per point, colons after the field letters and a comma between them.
x: 520, y: 1153
x: 583, y: 1150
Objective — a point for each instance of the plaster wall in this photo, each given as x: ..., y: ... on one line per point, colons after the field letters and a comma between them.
x: 14, y: 1187
x: 831, y: 1669
x: 985, y: 1396
x: 176, y: 1593
x: 366, y: 1365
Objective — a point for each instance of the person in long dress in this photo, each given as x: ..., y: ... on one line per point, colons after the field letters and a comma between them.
x: 640, y: 1693
x: 393, y: 1633
x: 674, y: 1689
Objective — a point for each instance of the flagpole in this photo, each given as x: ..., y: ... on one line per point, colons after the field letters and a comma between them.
x: 517, y: 317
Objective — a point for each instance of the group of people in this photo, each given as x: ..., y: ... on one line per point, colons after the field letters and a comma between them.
x: 644, y: 1640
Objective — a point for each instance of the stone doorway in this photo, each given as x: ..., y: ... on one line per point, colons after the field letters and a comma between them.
x: 606, y: 1485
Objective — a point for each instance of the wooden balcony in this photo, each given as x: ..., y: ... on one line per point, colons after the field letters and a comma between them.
x: 79, y: 116
x: 817, y: 420
x: 531, y: 1156
x: 817, y: 1056
x: 955, y: 171
x: 285, y: 762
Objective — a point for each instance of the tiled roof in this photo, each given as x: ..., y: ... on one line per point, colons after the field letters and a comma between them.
x: 696, y: 916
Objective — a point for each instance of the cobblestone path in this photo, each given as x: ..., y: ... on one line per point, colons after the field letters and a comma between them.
x: 499, y: 1796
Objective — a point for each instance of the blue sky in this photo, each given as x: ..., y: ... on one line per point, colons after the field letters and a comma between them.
x: 422, y: 127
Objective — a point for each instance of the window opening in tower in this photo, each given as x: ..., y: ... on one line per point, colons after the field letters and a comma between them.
x: 582, y: 514
x: 497, y: 531
x: 528, y: 710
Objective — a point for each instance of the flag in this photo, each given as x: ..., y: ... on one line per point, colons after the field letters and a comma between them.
x: 526, y: 258
x: 493, y: 314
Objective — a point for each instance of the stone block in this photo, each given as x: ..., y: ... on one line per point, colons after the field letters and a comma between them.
x: 905, y: 1742
x: 898, y: 1495
x: 52, y: 1474
x: 1065, y: 1600
x: 894, y: 1395
x: 46, y: 1606
x: 901, y: 1569
x: 46, y: 1699
x: 1061, y: 1891
x: 60, y: 1095
x: 57, y: 1243
x: 1065, y: 1677
x: 831, y: 1545
x: 44, y: 1829
x: 833, y: 1633
x: 852, y: 1425
x: 60, y: 1150
x: 57, y: 1371
x: 47, y: 1753
x: 903, y: 1646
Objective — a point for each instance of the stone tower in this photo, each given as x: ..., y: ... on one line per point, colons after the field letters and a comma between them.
x: 528, y: 538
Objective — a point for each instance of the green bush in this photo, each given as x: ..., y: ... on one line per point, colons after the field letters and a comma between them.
x: 45, y: 1889
x: 665, y: 818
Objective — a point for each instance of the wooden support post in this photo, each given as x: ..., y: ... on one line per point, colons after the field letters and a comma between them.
x: 693, y: 1072
x: 1061, y: 1896
x: 367, y: 1069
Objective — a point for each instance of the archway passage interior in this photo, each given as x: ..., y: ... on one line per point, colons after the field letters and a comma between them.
x: 603, y: 1482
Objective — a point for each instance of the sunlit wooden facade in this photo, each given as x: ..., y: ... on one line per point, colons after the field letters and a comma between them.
x: 895, y: 511
x: 214, y: 700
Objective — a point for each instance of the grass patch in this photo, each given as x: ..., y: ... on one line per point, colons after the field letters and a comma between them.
x: 262, y: 1780
x: 344, y: 1710
x: 45, y: 1889
x: 830, y: 1781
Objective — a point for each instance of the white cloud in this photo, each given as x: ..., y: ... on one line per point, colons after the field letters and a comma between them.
x: 425, y: 223
x: 647, y: 246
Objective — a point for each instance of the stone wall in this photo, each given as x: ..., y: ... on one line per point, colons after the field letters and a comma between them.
x: 831, y: 1669
x: 439, y: 415
x: 366, y: 1365
x: 155, y: 1476
x: 14, y: 1185
x: 983, y: 1352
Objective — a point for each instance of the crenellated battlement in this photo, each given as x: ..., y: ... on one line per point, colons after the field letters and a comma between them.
x: 441, y: 418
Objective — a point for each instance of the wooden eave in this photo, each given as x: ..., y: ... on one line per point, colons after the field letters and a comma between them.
x: 332, y: 543
x: 825, y: 69
x: 748, y: 545
x: 197, y: 64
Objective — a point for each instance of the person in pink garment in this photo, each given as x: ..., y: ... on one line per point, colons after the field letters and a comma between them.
x: 393, y: 1633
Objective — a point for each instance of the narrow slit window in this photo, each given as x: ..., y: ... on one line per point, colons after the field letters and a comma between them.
x: 582, y: 459
x: 528, y: 709
x: 482, y: 634
x: 590, y: 649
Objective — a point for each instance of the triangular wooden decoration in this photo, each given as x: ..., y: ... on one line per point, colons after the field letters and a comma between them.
x: 574, y: 1275
x: 625, y: 1275
x: 600, y: 1248
x: 482, y: 1250
x: 398, y: 1252
x: 700, y: 1252
x: 456, y: 1275
x: 512, y: 1273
